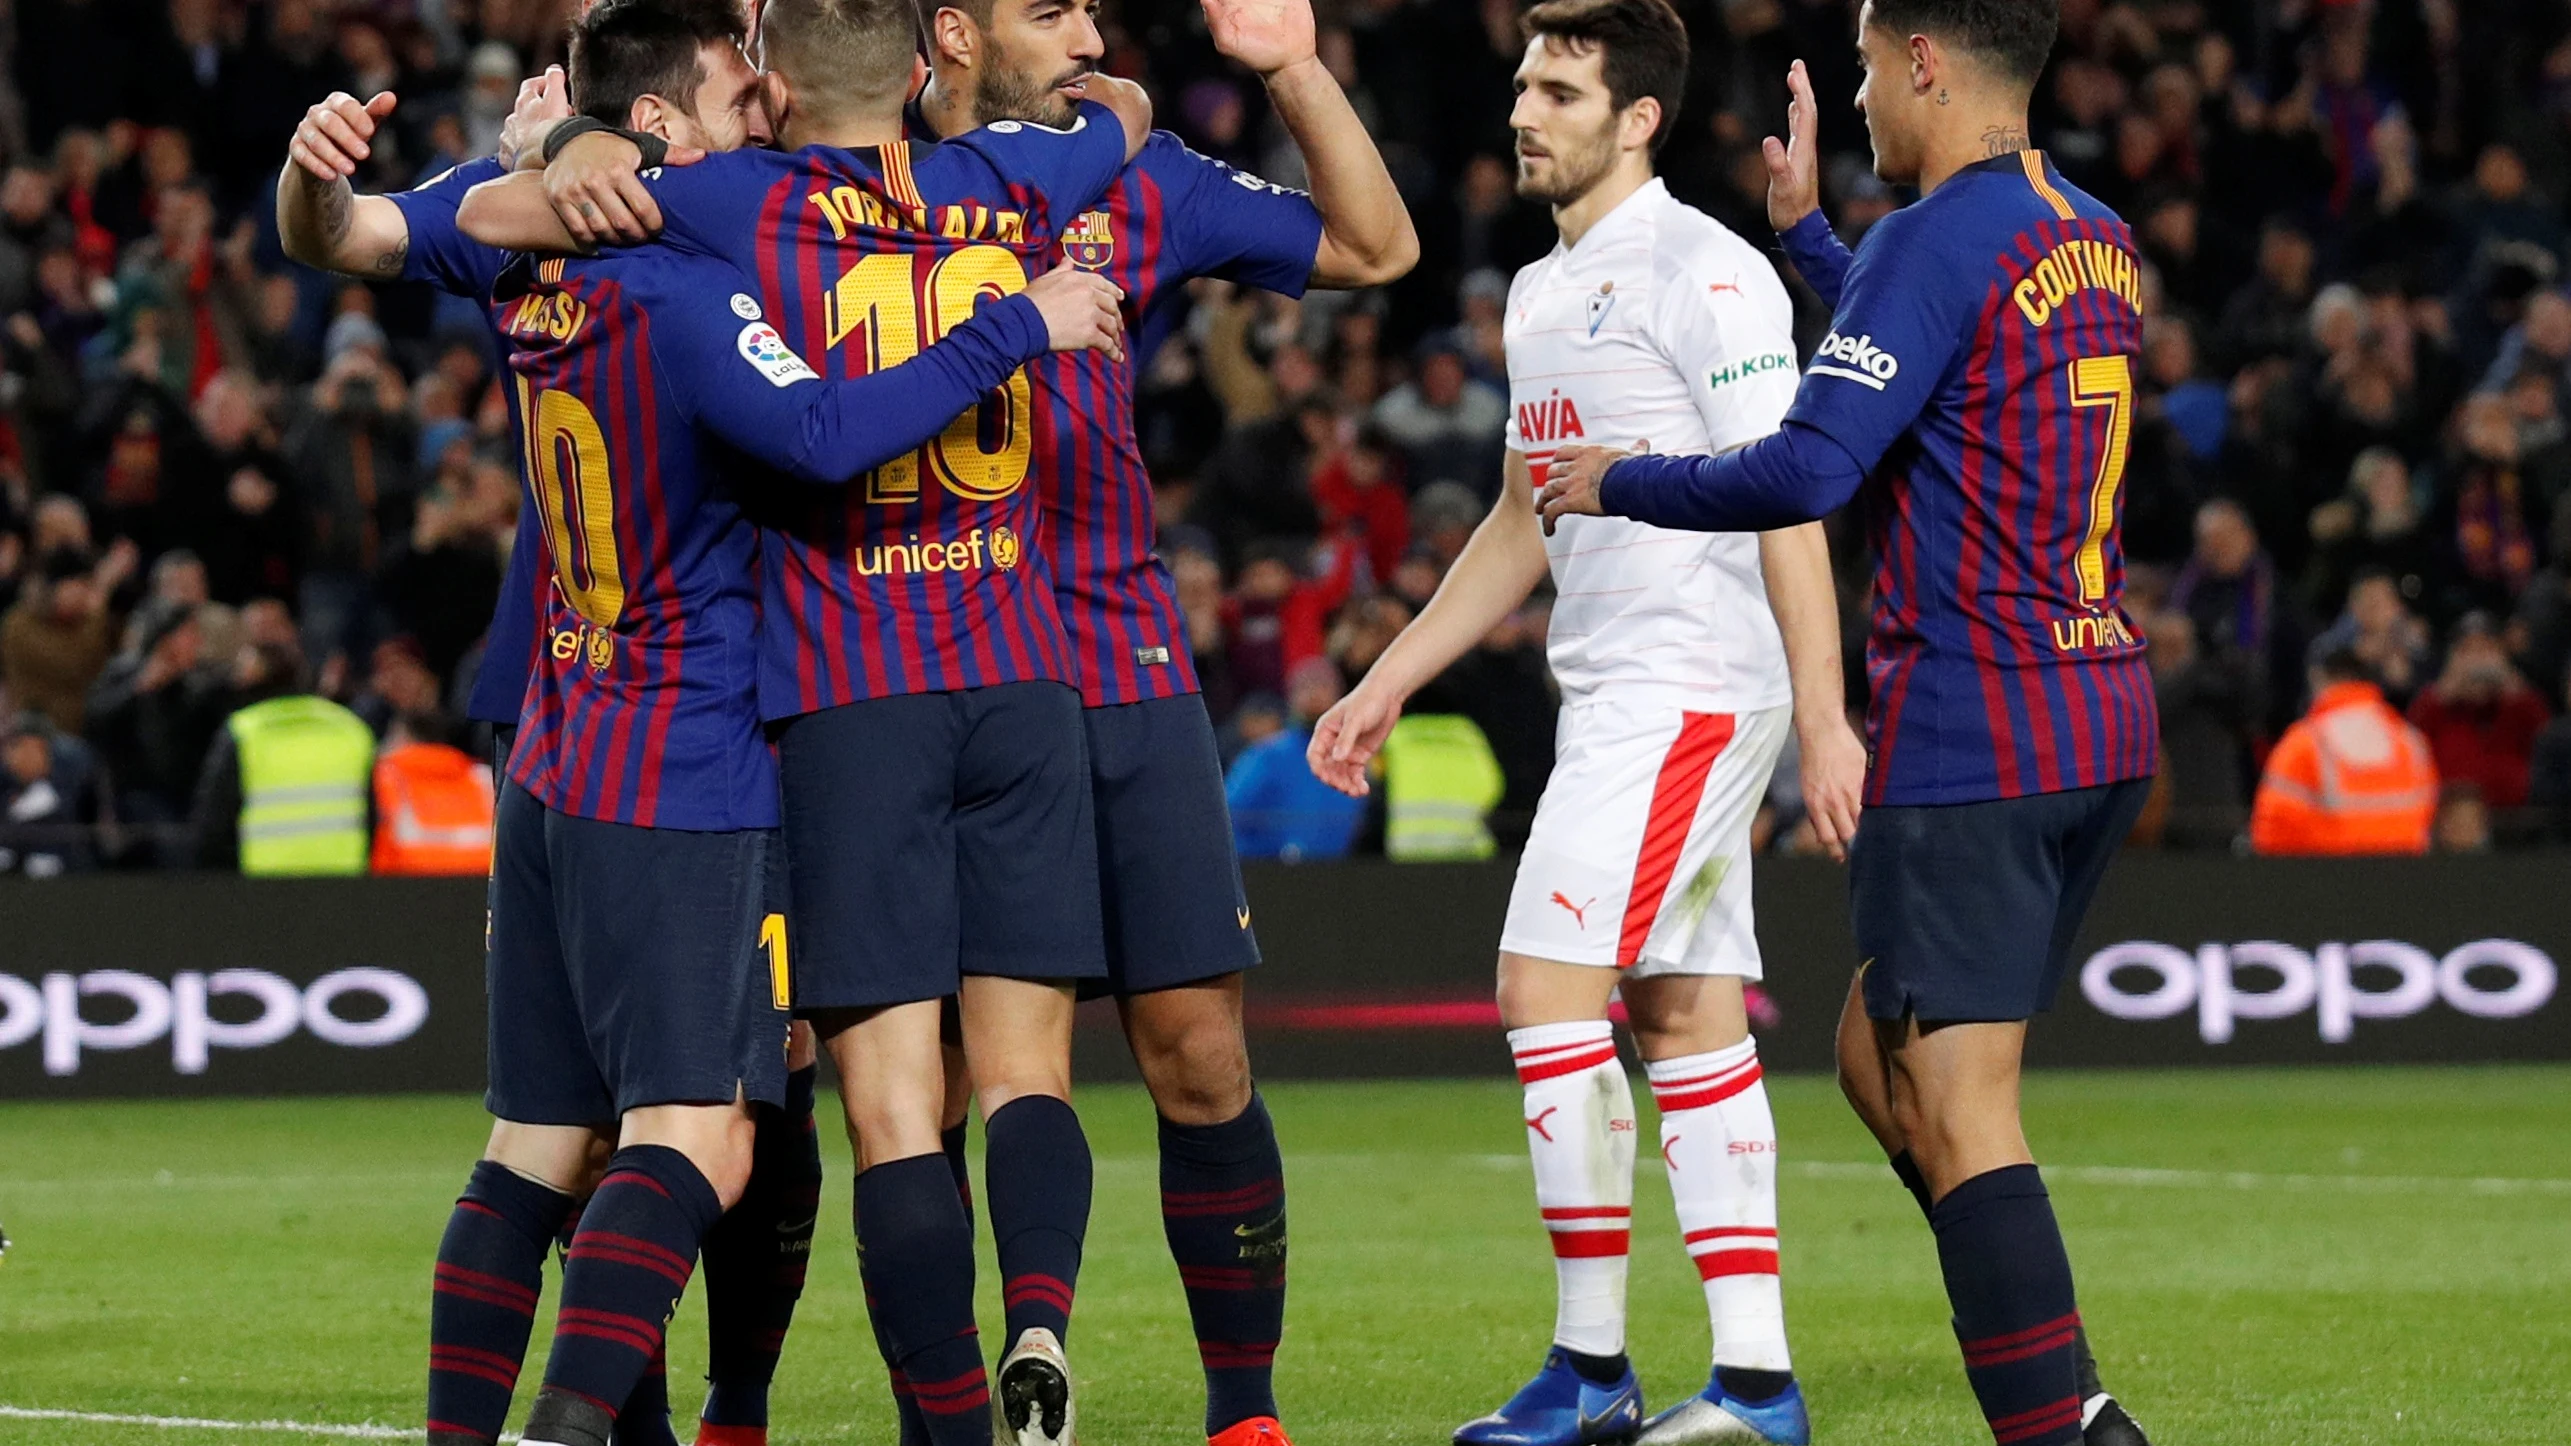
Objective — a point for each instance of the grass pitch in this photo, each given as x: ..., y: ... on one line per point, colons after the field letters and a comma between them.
x: 2319, y: 1256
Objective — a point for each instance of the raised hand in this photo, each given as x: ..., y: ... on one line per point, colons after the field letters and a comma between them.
x: 1265, y: 35
x: 1081, y: 310
x: 337, y: 135
x: 542, y: 100
x: 1794, y: 167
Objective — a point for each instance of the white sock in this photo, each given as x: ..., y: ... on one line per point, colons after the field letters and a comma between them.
x: 1580, y: 1129
x: 1718, y: 1138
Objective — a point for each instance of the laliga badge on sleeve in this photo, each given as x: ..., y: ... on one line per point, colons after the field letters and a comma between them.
x: 766, y: 351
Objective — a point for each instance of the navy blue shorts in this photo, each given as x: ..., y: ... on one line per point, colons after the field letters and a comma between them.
x: 935, y: 835
x: 631, y: 966
x: 1169, y: 884
x: 1966, y: 912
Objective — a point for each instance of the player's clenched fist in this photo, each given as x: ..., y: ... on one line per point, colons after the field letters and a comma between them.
x: 1571, y: 483
x: 1349, y: 736
x: 337, y: 135
x: 1081, y: 310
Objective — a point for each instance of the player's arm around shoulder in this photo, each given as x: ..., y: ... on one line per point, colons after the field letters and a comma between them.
x: 1498, y: 568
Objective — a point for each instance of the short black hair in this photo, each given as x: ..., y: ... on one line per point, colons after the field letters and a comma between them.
x: 1642, y: 45
x: 623, y: 50
x: 2014, y: 36
x: 2342, y: 664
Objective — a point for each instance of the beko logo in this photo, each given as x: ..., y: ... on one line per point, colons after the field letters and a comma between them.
x: 362, y: 1008
x: 2340, y: 983
x: 1866, y: 362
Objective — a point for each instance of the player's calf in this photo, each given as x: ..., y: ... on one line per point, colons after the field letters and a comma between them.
x: 630, y: 1261
x: 755, y: 1262
x: 490, y: 1274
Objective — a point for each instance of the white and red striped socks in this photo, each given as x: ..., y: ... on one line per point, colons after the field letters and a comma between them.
x: 1718, y: 1138
x: 1580, y: 1129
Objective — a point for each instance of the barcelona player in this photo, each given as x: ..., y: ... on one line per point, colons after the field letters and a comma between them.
x: 1977, y: 391
x: 1177, y: 927
x: 936, y: 793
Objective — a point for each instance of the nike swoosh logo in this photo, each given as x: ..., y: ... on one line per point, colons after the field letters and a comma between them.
x: 798, y: 1227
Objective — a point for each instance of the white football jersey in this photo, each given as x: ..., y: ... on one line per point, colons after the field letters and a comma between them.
x: 1664, y: 332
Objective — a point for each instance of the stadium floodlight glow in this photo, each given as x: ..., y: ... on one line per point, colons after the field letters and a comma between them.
x: 182, y: 1011
x: 2340, y: 983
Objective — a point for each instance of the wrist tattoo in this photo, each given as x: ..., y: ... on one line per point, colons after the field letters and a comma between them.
x: 2004, y: 140
x: 338, y: 206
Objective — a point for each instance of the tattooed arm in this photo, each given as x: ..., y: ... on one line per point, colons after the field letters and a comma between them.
x: 320, y: 219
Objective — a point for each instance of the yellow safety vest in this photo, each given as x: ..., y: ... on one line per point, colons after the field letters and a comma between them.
x: 1440, y: 781
x: 305, y: 766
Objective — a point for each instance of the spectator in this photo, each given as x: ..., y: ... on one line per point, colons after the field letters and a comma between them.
x: 2480, y: 718
x: 152, y: 715
x: 284, y: 789
x: 2487, y: 519
x: 1441, y: 782
x: 2374, y: 526
x: 1279, y: 810
x: 441, y: 587
x: 2463, y: 820
x: 2208, y: 717
x: 352, y: 451
x: 50, y: 807
x: 1358, y: 490
x: 55, y: 641
x: 433, y: 802
x: 1447, y: 424
x: 2265, y: 318
x: 2383, y: 632
x: 2244, y: 622
x: 2350, y: 777
x: 1504, y: 686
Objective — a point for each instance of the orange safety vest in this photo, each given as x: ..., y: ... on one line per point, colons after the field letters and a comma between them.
x: 432, y: 811
x: 2350, y: 777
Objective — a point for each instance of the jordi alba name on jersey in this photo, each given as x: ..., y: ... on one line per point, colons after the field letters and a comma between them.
x: 1171, y: 216
x: 926, y: 574
x: 1984, y: 349
x: 1661, y: 332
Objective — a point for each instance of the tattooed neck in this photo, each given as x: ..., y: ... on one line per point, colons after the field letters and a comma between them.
x: 2003, y: 141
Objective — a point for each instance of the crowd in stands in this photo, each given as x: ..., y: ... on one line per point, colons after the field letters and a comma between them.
x: 225, y: 480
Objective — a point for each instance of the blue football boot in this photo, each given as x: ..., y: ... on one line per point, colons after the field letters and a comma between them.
x: 1561, y: 1408
x: 1715, y: 1415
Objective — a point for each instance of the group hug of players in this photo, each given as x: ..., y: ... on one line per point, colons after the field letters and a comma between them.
x: 848, y: 708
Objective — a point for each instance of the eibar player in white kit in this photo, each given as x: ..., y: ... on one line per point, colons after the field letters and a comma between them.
x: 1683, y: 658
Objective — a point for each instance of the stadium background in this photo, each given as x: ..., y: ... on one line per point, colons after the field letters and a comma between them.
x: 2355, y: 215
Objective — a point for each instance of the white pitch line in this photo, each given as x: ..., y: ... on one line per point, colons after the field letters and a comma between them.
x: 199, y: 1423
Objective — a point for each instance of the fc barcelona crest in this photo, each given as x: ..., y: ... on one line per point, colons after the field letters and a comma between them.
x: 1089, y: 242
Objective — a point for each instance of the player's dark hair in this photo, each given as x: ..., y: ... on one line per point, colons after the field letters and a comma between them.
x: 623, y: 50
x: 844, y: 58
x: 2343, y: 665
x: 1642, y: 47
x: 2015, y: 37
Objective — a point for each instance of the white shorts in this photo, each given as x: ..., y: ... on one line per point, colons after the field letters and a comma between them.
x: 1640, y: 854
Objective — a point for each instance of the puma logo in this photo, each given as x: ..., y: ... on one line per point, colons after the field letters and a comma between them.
x: 1717, y: 288
x: 1537, y: 1124
x: 1579, y: 912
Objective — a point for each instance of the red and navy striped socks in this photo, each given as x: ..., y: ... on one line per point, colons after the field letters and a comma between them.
x: 754, y: 1270
x: 915, y: 1257
x: 1223, y: 1208
x: 628, y: 1264
x: 2009, y: 1282
x: 490, y: 1272
x: 1036, y: 1179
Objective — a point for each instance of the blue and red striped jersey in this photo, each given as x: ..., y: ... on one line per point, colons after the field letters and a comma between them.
x: 444, y: 257
x: 1978, y: 380
x: 654, y: 388
x: 1171, y: 216
x: 927, y: 574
